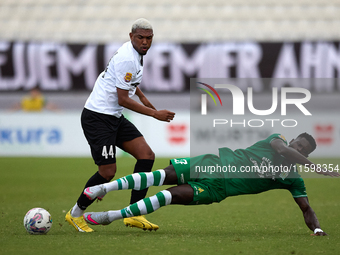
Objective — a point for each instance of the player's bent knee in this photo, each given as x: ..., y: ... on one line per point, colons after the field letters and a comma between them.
x: 150, y: 155
x: 182, y: 194
x: 107, y: 171
x: 170, y: 176
x: 145, y: 153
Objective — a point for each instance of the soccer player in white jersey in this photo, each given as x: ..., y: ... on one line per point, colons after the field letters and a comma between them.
x: 105, y: 127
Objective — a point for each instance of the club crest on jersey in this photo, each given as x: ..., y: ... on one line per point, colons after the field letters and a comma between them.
x: 283, y: 138
x: 128, y: 77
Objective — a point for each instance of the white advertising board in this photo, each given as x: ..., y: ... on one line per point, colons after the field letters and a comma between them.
x: 60, y: 135
x: 42, y: 134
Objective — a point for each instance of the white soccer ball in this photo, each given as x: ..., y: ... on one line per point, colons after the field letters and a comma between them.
x: 37, y: 221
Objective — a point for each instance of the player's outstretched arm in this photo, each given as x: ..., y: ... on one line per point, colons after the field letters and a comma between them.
x: 289, y: 153
x: 310, y: 217
x: 125, y: 101
x: 296, y: 157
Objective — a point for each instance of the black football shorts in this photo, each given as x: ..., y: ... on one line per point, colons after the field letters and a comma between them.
x: 104, y: 132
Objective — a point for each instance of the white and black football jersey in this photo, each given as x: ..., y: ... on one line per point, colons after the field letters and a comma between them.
x: 124, y: 71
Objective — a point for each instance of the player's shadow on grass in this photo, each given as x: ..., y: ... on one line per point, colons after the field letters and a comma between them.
x: 199, y: 233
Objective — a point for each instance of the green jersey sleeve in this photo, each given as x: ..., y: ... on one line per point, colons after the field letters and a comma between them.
x: 277, y: 136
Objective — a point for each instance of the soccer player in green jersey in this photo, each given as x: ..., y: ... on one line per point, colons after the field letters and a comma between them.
x: 268, y: 164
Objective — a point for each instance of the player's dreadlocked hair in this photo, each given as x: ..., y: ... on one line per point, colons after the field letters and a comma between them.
x: 310, y: 139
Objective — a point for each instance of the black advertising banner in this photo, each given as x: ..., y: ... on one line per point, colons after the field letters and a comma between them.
x: 168, y: 67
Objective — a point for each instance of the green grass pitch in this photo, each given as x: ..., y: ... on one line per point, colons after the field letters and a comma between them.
x: 267, y: 223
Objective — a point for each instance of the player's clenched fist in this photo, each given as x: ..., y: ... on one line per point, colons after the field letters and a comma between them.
x: 164, y: 115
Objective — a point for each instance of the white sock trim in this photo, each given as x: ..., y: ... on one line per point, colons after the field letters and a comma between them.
x: 114, y: 215
x: 137, y: 179
x: 154, y: 202
x: 162, y: 177
x: 76, y: 211
x: 125, y: 183
x: 168, y: 196
x: 142, y: 207
x: 110, y: 186
x: 149, y: 179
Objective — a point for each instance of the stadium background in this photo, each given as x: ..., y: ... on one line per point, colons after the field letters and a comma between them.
x: 62, y: 45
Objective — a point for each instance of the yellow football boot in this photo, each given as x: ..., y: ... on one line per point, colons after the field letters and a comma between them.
x: 140, y: 222
x: 78, y: 223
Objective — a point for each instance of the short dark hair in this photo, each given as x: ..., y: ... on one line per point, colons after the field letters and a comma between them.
x: 310, y: 139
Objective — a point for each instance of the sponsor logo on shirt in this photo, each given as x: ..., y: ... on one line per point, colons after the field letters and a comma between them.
x: 196, y: 190
x: 182, y: 178
x: 128, y: 77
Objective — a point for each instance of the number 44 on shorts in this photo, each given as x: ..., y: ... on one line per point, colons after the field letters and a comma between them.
x: 111, y: 152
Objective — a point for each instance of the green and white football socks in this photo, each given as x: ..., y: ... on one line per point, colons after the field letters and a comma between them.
x: 146, y: 205
x: 136, y: 181
x: 142, y: 207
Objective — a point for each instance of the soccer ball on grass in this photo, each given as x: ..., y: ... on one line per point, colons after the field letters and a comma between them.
x: 37, y: 221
